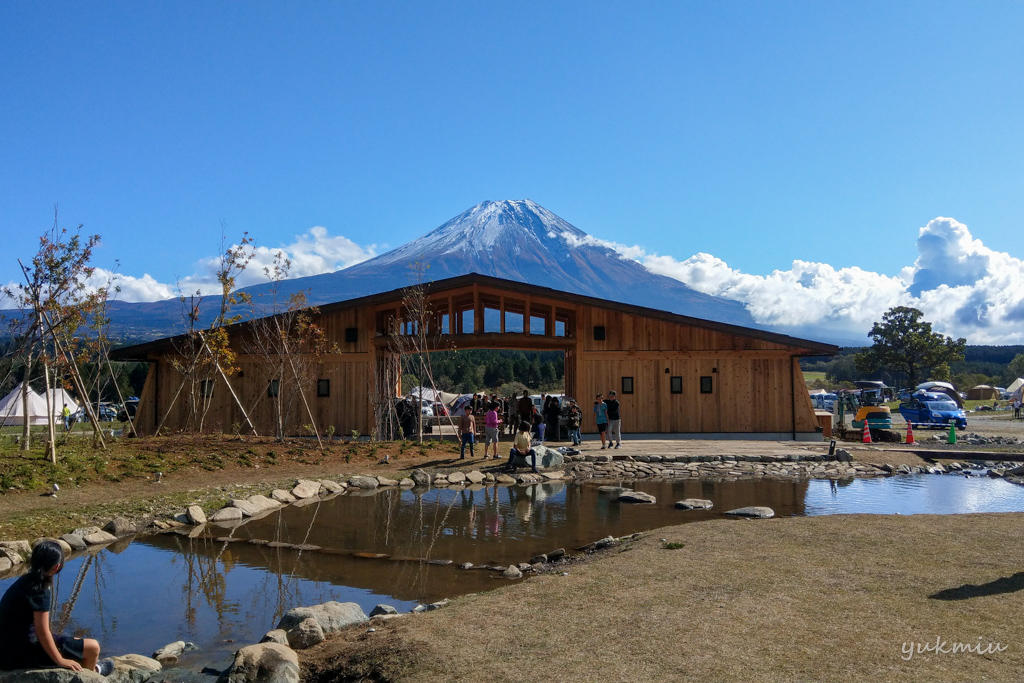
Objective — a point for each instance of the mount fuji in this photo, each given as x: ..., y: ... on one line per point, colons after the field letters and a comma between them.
x: 516, y: 240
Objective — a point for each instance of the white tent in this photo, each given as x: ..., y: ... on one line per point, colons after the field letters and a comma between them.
x: 1015, y: 385
x: 11, y: 407
x: 59, y: 398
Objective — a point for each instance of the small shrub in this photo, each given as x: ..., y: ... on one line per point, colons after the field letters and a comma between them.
x: 672, y: 545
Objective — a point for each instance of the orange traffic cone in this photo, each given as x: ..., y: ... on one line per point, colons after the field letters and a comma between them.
x: 910, y: 433
x: 866, y: 438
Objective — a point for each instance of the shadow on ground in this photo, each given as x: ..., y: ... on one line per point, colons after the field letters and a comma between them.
x: 1005, y: 584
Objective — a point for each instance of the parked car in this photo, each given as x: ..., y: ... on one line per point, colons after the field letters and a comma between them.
x: 929, y: 409
x: 129, y: 409
x: 105, y: 413
x: 824, y: 401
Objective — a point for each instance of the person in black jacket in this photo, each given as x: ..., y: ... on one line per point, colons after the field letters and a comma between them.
x: 552, y: 411
x: 614, y: 420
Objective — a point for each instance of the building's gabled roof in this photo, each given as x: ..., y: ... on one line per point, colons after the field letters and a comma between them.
x: 806, y: 346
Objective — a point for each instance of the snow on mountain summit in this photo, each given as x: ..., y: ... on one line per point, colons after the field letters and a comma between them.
x: 506, y: 227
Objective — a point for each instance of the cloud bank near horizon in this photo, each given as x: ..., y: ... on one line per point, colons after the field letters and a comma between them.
x: 964, y: 288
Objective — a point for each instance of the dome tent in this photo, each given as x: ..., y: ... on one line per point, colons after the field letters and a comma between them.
x: 982, y: 392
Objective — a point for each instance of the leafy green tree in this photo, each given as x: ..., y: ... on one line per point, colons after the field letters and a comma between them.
x: 905, y: 344
x: 1016, y: 368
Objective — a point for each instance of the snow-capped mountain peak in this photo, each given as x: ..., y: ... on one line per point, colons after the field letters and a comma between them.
x: 492, y: 228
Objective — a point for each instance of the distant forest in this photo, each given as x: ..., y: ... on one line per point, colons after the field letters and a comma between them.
x: 981, y: 365
x: 472, y: 370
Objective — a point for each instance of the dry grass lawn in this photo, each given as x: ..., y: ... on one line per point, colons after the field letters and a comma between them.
x: 814, y: 598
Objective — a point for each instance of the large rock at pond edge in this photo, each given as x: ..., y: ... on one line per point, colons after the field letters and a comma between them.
x: 169, y: 653
x: 64, y: 546
x: 99, y: 538
x: 263, y: 663
x: 195, y: 515
x: 247, y: 508
x: 229, y: 514
x: 754, y: 511
x: 282, y: 496
x: 384, y: 481
x: 75, y: 541
x: 636, y: 497
x: 331, y: 486
x: 51, y: 676
x: 363, y: 482
x: 306, y: 633
x: 133, y: 669
x: 332, y: 616
x: 420, y: 478
x: 456, y: 477
x: 505, y: 479
x: 121, y: 527
x: 475, y: 477
x: 16, y: 549
x: 263, y: 503
x: 5, y: 564
x: 306, y: 489
x: 278, y: 635
x: 512, y: 572
x: 383, y: 609
x: 406, y: 482
x: 694, y: 504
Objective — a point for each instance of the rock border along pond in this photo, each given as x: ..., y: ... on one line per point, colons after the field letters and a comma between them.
x: 275, y: 655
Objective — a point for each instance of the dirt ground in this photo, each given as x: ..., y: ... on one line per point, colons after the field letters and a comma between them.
x: 857, y: 597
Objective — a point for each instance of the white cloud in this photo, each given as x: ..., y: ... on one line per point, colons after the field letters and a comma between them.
x: 964, y: 288
x: 311, y: 253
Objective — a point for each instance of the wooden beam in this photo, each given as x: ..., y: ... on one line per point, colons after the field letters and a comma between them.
x: 680, y: 355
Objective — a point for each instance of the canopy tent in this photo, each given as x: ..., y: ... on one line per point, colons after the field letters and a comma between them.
x: 1015, y: 385
x: 942, y: 388
x: 432, y: 395
x: 982, y: 392
x: 12, y: 407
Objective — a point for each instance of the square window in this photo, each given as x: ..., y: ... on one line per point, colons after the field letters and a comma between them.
x: 705, y: 384
x: 676, y: 384
x: 273, y: 388
x: 206, y: 388
x: 627, y: 385
x: 598, y: 332
x: 351, y: 335
x: 323, y: 388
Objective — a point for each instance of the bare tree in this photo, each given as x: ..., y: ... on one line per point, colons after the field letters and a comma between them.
x: 289, y: 343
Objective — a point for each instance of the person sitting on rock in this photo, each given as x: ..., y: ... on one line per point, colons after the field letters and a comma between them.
x: 25, y: 638
x: 522, y: 447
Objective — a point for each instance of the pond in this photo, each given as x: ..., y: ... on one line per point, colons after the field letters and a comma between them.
x: 226, y: 587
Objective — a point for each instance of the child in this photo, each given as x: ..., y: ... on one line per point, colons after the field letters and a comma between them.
x: 575, y: 417
x: 25, y: 638
x: 467, y: 431
x: 522, y: 447
x: 491, y: 427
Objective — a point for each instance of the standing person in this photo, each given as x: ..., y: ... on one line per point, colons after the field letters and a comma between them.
x: 614, y: 420
x: 540, y: 424
x: 65, y: 414
x: 522, y: 447
x: 574, y: 419
x: 552, y: 413
x: 491, y: 424
x: 525, y: 408
x: 25, y: 638
x: 601, y: 417
x: 467, y: 432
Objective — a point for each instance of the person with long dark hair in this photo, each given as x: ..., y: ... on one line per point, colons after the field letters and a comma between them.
x: 25, y: 638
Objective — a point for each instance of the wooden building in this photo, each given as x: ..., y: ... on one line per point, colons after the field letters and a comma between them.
x: 674, y: 374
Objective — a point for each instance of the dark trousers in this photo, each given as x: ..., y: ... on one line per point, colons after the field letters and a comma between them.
x: 528, y: 454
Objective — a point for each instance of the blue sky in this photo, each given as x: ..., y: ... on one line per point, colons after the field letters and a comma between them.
x: 759, y: 133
